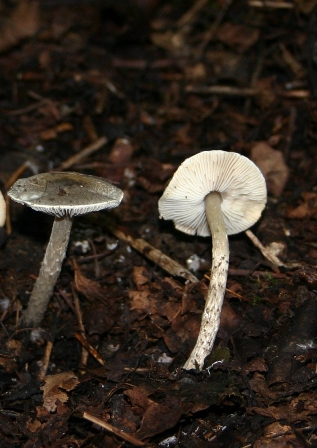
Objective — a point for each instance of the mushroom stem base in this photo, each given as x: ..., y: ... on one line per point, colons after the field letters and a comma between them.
x: 49, y: 272
x: 219, y: 270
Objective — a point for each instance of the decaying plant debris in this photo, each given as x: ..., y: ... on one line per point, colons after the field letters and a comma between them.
x: 126, y: 91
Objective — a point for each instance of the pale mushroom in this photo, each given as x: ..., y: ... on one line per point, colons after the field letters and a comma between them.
x: 214, y: 193
x: 2, y: 210
x: 63, y: 195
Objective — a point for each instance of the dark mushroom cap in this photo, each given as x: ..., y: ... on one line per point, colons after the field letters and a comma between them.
x: 238, y: 180
x: 65, y: 193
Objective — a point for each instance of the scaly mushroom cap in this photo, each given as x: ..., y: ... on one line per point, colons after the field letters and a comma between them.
x: 238, y: 180
x: 66, y: 193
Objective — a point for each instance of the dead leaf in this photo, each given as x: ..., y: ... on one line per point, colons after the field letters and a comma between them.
x: 33, y: 425
x: 138, y: 397
x: 121, y: 152
x: 142, y: 302
x: 89, y: 288
x: 306, y: 6
x: 140, y: 276
x: 23, y: 23
x: 308, y: 209
x: 272, y: 165
x: 54, y: 387
x: 278, y: 436
x: 241, y: 37
x: 160, y: 417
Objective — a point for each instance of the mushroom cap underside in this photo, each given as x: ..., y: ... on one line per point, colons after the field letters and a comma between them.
x: 238, y: 180
x: 66, y: 193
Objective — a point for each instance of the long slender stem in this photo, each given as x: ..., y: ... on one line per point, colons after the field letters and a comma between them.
x: 219, y: 270
x: 49, y: 272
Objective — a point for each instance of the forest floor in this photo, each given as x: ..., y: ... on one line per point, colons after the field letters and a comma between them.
x: 127, y: 91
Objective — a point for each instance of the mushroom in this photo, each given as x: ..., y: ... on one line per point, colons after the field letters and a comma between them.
x: 63, y: 195
x: 214, y: 193
x: 2, y: 210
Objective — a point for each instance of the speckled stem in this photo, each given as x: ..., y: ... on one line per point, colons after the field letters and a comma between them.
x: 49, y: 272
x: 219, y: 270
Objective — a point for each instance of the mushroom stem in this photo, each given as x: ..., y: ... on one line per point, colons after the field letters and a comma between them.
x: 219, y: 271
x: 49, y: 272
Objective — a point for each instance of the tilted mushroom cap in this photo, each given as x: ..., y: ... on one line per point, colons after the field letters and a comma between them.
x: 66, y: 193
x: 238, y: 180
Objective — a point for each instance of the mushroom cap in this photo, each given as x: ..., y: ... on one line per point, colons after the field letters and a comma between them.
x: 65, y: 193
x: 238, y: 180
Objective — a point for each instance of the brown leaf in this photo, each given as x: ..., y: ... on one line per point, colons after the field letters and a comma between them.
x: 89, y: 288
x: 308, y: 209
x: 160, y: 417
x: 33, y: 425
x: 182, y: 335
x: 241, y: 37
x: 24, y: 22
x: 52, y: 389
x: 278, y: 436
x: 142, y: 302
x: 139, y: 397
x: 272, y: 165
x: 140, y: 276
x: 121, y: 152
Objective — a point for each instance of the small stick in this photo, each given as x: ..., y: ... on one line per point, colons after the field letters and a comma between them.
x: 17, y: 316
x: 155, y: 255
x: 243, y: 91
x: 27, y: 109
x: 118, y: 432
x: 265, y: 252
x: 90, y: 128
x: 90, y: 149
x: 84, y: 353
x: 270, y: 4
x: 8, y: 224
x: 209, y: 34
x: 223, y: 90
x: 46, y: 360
x: 191, y: 13
x: 89, y: 348
x: 95, y: 258
x: 249, y: 273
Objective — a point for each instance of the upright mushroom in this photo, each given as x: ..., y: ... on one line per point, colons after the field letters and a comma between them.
x: 214, y: 193
x: 63, y: 195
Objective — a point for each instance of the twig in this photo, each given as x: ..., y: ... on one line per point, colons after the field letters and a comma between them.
x: 89, y: 348
x: 90, y: 128
x: 223, y: 90
x: 190, y: 14
x: 209, y: 34
x: 17, y: 316
x: 123, y: 435
x: 265, y: 252
x: 84, y: 353
x: 248, y: 273
x: 270, y: 4
x: 243, y: 91
x: 90, y: 149
x: 155, y: 255
x: 46, y: 360
x: 95, y: 258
